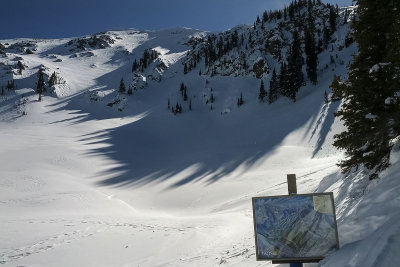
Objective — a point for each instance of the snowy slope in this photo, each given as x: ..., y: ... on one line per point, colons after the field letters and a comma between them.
x: 86, y: 184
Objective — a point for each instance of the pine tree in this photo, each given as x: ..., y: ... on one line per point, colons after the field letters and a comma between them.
x: 326, y: 37
x: 311, y: 56
x: 294, y: 70
x: 332, y: 19
x: 52, y: 80
x: 130, y: 90
x: 122, y: 87
x: 185, y: 97
x: 283, y: 80
x: 135, y: 66
x: 265, y: 16
x: 273, y: 88
x: 182, y: 88
x: 371, y: 103
x: 262, y: 93
x: 240, y: 100
x: 40, y: 85
x: 21, y: 67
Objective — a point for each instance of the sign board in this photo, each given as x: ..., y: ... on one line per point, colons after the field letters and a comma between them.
x: 295, y: 227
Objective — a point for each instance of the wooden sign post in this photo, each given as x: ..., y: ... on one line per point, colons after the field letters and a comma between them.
x: 291, y: 184
x: 292, y: 190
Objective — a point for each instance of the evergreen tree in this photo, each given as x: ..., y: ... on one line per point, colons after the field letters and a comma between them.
x: 52, y: 80
x: 11, y: 85
x: 240, y: 100
x: 185, y: 97
x: 130, y: 90
x: 326, y: 37
x: 262, y: 93
x: 182, y: 88
x: 265, y: 16
x: 371, y: 103
x: 311, y: 56
x: 212, y: 98
x: 2, y: 90
x: 283, y: 80
x: 135, y: 66
x: 273, y: 88
x: 294, y: 71
x: 40, y: 85
x: 332, y: 19
x: 122, y: 87
x: 21, y: 67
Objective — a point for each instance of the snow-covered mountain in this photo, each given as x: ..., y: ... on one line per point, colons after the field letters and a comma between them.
x: 163, y: 174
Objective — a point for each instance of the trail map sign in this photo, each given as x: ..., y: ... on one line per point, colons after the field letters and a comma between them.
x: 295, y: 227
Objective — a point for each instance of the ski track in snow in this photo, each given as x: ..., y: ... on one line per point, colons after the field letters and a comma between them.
x: 84, y: 229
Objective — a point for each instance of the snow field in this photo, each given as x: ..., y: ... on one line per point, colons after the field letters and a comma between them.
x: 84, y: 184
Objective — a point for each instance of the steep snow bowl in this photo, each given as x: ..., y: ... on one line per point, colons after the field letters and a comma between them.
x: 143, y: 186
x: 99, y: 178
x: 149, y: 188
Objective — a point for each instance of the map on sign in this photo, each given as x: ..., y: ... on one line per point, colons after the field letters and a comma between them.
x: 295, y: 226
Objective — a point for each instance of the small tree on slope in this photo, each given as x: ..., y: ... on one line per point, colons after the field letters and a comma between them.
x: 40, y: 85
x: 122, y: 87
x: 262, y: 93
x: 371, y: 94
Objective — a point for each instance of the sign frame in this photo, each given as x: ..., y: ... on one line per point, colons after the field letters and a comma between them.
x: 294, y: 259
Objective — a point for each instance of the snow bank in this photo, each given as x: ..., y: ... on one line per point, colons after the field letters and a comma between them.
x: 368, y: 218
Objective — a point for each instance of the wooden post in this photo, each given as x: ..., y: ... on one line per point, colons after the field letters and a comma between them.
x: 291, y: 182
x: 292, y: 190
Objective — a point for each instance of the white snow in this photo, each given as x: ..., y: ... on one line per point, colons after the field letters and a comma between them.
x: 83, y: 184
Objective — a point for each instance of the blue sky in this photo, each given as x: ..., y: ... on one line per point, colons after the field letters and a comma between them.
x: 67, y: 18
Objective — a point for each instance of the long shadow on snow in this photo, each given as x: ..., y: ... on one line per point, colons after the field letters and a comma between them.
x: 325, y: 122
x: 161, y: 146
x: 199, y: 146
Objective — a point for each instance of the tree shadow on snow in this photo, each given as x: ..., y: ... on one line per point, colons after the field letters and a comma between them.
x: 194, y: 146
x: 161, y: 146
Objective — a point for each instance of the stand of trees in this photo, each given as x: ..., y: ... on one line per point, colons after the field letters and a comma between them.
x: 371, y: 99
